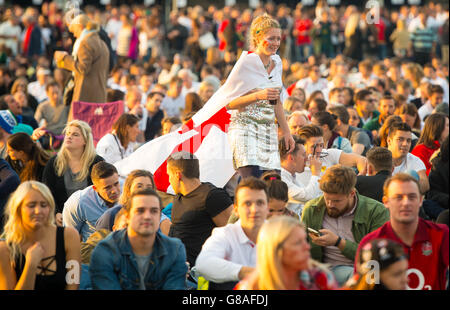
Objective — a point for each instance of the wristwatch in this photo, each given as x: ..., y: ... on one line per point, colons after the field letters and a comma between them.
x: 338, y: 241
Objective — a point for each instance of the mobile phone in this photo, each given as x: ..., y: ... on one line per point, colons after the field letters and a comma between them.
x: 314, y: 232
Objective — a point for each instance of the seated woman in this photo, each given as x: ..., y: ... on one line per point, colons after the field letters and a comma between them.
x: 277, y: 194
x: 121, y: 141
x: 137, y: 179
x: 26, y: 157
x: 30, y: 258
x: 433, y: 134
x: 283, y: 260
x: 70, y: 169
x: 392, y: 263
x: 331, y: 139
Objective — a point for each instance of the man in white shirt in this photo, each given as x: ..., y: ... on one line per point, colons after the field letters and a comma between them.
x: 10, y: 34
x: 229, y: 254
x: 37, y: 88
x: 432, y: 77
x: 189, y: 85
x: 113, y: 27
x: 174, y: 102
x: 314, y: 145
x: 313, y: 82
x: 399, y: 143
x: 293, y: 163
x: 436, y: 97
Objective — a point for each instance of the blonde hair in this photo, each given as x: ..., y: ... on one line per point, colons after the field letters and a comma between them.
x: 260, y: 25
x: 271, y: 238
x: 14, y: 231
x: 88, y: 156
x: 85, y: 22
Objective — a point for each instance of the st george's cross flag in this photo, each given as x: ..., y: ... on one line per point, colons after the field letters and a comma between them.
x: 205, y: 135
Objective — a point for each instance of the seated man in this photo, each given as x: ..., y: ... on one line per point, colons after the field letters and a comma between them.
x: 85, y: 207
x: 197, y: 207
x: 425, y: 242
x: 359, y: 138
x: 230, y: 253
x: 139, y: 257
x: 342, y: 217
x: 52, y: 113
x: 379, y: 168
x: 399, y: 143
x: 297, y: 120
x: 314, y: 145
x: 293, y: 163
x: 386, y: 109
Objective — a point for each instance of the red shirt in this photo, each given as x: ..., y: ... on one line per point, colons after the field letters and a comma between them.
x: 424, y: 153
x: 303, y: 25
x: 428, y: 255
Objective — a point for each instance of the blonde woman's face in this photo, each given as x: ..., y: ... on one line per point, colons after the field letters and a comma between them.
x: 270, y: 41
x: 73, y: 138
x: 296, y: 248
x: 35, y: 210
x: 141, y: 183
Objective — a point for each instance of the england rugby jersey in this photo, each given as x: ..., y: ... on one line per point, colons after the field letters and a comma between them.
x: 428, y: 255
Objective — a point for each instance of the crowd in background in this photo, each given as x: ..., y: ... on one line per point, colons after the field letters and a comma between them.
x: 362, y: 88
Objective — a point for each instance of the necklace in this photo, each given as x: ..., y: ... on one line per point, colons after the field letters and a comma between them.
x: 268, y: 65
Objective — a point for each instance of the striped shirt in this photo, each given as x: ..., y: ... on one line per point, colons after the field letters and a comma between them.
x: 423, y: 39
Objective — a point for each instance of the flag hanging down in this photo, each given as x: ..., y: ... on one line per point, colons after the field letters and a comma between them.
x: 100, y: 116
x: 205, y: 135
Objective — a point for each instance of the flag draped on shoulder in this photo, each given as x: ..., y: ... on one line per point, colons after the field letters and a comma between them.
x: 205, y: 135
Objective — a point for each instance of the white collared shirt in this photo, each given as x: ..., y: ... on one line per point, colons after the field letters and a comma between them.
x: 298, y: 193
x: 224, y: 253
x: 110, y: 148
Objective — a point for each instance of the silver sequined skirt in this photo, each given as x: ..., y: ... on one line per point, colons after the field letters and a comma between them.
x: 253, y: 137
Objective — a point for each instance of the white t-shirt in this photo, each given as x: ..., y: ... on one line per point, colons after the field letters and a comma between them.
x: 7, y: 29
x: 331, y: 159
x: 411, y: 162
x: 172, y: 107
x: 425, y: 110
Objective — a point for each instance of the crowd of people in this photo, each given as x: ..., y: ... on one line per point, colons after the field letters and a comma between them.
x: 338, y: 130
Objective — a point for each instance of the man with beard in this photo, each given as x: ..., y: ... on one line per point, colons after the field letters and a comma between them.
x: 342, y: 217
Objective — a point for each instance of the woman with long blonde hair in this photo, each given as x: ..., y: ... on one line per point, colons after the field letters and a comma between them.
x: 70, y: 169
x: 283, y: 260
x: 30, y: 259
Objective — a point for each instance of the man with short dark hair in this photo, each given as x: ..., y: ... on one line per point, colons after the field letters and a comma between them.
x: 379, y: 168
x: 365, y: 105
x: 314, y: 145
x: 436, y: 97
x: 84, y: 207
x: 293, y: 163
x: 230, y: 253
x: 386, y: 109
x: 139, y: 257
x: 52, y: 113
x: 399, y: 143
x: 426, y: 243
x: 197, y: 207
x: 359, y: 138
x: 342, y: 217
x: 153, y: 115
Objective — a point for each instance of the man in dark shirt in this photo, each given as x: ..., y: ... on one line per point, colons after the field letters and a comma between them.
x: 154, y: 115
x: 176, y: 35
x: 197, y: 207
x: 379, y: 168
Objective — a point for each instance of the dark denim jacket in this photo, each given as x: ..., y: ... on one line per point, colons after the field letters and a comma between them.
x: 113, y: 265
